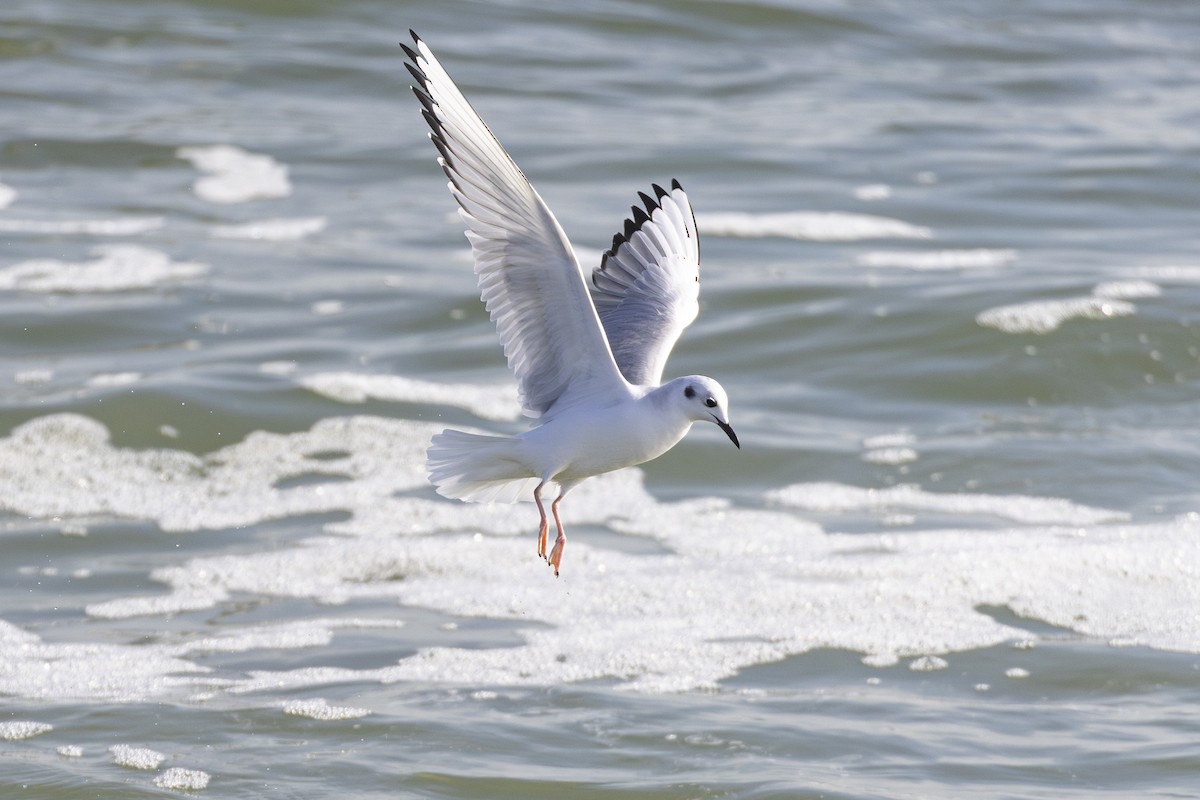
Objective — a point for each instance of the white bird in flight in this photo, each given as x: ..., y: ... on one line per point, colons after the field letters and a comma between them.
x: 588, y: 358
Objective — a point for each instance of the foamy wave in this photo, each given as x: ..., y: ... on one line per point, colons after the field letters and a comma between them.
x: 837, y: 497
x: 281, y: 636
x: 7, y: 195
x: 889, y: 440
x: 318, y: 708
x: 726, y: 588
x: 891, y: 449
x: 1044, y: 316
x: 106, y: 380
x: 272, y: 230
x: 489, y: 402
x: 939, y: 259
x: 1108, y: 300
x: 136, y: 757
x: 235, y: 175
x: 65, y: 465
x: 33, y: 377
x: 130, y: 226
x: 1174, y: 273
x: 327, y: 308
x: 188, y: 780
x: 892, y: 456
x: 116, y: 268
x: 59, y: 671
x: 14, y: 730
x: 872, y: 191
x: 1127, y: 290
x: 813, y: 225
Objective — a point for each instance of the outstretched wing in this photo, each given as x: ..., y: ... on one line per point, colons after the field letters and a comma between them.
x: 647, y: 285
x: 531, y: 283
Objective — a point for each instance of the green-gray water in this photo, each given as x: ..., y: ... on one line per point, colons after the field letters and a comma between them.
x: 951, y: 273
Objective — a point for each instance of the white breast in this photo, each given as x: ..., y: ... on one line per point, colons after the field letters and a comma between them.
x: 586, y: 442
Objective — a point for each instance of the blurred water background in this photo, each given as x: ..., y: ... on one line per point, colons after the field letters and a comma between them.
x: 951, y: 281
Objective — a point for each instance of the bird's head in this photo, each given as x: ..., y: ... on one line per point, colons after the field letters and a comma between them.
x: 703, y: 400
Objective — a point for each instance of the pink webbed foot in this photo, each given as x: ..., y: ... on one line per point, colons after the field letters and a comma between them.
x: 556, y: 554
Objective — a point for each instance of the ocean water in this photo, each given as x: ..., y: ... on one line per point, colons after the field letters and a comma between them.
x: 951, y: 282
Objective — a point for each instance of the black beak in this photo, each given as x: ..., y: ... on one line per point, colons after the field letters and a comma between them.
x: 725, y: 426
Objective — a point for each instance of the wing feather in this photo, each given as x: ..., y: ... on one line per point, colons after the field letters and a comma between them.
x: 530, y: 281
x: 647, y: 286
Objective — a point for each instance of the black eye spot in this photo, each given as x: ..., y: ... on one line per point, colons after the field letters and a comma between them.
x: 711, y: 403
x: 689, y: 392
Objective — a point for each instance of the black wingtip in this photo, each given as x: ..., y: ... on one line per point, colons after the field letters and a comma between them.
x: 415, y: 71
x: 659, y: 192
x: 675, y: 184
x: 648, y: 202
x: 639, y: 216
x: 409, y: 51
x: 423, y: 96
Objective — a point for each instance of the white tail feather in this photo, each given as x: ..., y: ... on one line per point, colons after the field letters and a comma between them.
x: 478, y: 468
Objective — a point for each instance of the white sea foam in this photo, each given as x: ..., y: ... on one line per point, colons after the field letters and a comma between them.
x: 318, y: 708
x: 7, y: 195
x: 236, y: 175
x: 1171, y: 273
x: 130, y: 673
x: 127, y: 226
x: 727, y: 588
x: 1044, y: 316
x: 889, y: 440
x: 890, y: 449
x: 497, y: 402
x: 12, y: 730
x: 1109, y: 299
x: 70, y: 751
x: 890, y: 456
x: 125, y: 755
x: 112, y: 379
x: 873, y: 191
x: 822, y: 226
x: 928, y: 664
x: 328, y: 308
x: 839, y: 498
x: 1127, y: 290
x: 64, y: 466
x: 939, y: 259
x: 188, y: 780
x: 288, y: 635
x: 272, y: 230
x: 63, y: 671
x: 116, y: 268
x: 33, y: 377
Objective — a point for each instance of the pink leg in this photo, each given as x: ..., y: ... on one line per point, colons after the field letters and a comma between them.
x: 556, y: 553
x: 544, y: 526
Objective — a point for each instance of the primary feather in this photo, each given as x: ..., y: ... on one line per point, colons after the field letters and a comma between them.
x: 647, y: 284
x: 531, y: 284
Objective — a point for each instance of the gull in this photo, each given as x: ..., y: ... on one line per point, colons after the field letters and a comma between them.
x: 588, y: 356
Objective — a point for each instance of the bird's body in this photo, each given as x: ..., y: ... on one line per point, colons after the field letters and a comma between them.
x: 570, y: 447
x: 631, y: 431
x: 588, y: 359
